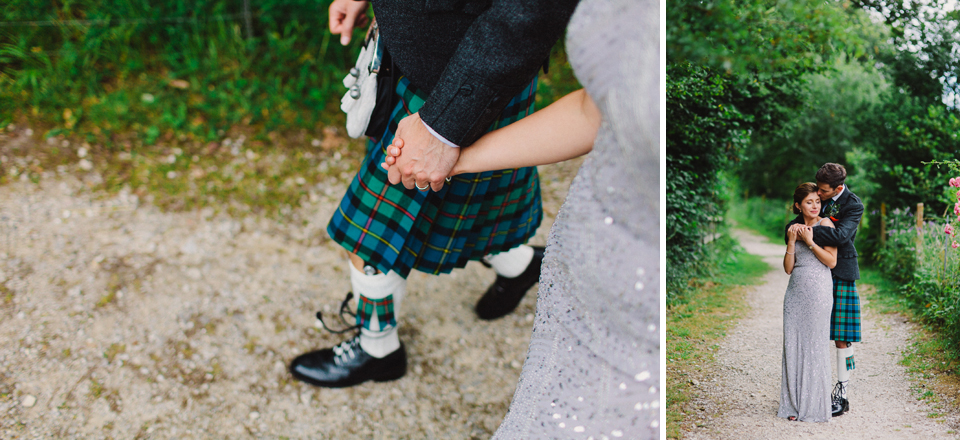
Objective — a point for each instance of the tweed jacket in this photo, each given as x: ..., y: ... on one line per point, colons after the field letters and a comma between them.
x: 848, y: 209
x: 470, y: 56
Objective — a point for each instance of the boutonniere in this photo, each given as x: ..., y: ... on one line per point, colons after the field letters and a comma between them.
x: 833, y: 210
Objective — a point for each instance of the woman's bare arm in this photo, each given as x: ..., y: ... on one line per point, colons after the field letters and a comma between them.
x: 561, y: 131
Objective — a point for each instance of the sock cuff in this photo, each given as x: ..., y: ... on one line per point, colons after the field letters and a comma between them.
x: 511, y: 263
x: 377, y: 286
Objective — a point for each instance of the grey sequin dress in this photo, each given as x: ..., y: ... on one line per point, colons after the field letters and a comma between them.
x: 805, y: 386
x: 593, y: 365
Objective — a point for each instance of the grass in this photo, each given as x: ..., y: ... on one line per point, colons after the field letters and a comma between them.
x: 186, y: 114
x: 765, y: 217
x: 242, y: 169
x: 695, y: 327
x: 933, y: 371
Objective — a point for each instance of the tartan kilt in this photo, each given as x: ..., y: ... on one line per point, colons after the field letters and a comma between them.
x: 845, y: 320
x: 393, y: 228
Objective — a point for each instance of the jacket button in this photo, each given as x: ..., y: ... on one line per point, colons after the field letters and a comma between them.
x: 466, y: 90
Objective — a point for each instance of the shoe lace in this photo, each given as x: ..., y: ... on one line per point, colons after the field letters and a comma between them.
x: 344, y: 309
x: 837, y: 393
x: 346, y: 350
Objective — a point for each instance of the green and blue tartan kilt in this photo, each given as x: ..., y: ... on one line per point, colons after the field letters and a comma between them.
x: 845, y: 320
x: 397, y: 229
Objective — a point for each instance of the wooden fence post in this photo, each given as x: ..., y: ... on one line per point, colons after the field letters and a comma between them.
x: 883, y: 224
x: 246, y: 19
x: 919, y: 228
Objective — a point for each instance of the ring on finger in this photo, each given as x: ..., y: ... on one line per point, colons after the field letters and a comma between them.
x: 424, y: 188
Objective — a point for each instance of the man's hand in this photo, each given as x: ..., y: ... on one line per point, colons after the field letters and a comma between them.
x: 346, y: 15
x: 425, y: 158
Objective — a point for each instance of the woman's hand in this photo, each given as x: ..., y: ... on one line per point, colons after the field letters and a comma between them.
x: 792, y: 234
x: 393, y: 152
x: 806, y: 234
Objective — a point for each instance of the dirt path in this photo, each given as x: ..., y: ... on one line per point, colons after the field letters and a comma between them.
x: 120, y: 321
x: 739, y: 399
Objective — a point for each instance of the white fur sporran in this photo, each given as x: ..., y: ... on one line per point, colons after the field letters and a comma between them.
x: 361, y: 84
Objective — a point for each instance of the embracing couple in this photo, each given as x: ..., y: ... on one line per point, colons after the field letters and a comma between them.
x: 821, y: 303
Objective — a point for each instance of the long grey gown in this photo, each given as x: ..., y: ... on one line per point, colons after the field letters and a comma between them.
x: 805, y: 387
x: 593, y: 365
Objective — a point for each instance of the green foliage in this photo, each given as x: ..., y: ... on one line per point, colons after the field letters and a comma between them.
x: 899, y: 137
x: 734, y: 71
x: 169, y: 67
x: 162, y: 69
x: 769, y: 217
x: 558, y: 80
x: 931, y: 359
x: 925, y: 36
x: 704, y: 134
x: 710, y: 118
x: 823, y: 129
x: 762, y: 35
x: 924, y: 262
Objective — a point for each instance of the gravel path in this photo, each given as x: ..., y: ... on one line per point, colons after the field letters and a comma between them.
x: 121, y: 321
x: 739, y: 399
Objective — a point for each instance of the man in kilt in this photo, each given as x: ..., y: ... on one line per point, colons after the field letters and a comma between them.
x: 461, y: 68
x: 845, y: 209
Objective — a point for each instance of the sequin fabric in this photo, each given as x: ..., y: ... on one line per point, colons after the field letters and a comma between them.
x: 805, y: 384
x: 592, y: 368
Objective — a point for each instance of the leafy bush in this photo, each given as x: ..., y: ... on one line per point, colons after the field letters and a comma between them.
x: 710, y: 117
x: 700, y: 122
x: 925, y: 261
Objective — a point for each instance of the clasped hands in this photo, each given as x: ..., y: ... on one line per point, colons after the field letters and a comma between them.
x: 803, y: 232
x: 425, y: 161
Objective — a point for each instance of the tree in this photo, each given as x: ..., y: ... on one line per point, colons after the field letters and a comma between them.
x: 823, y: 129
x: 733, y: 70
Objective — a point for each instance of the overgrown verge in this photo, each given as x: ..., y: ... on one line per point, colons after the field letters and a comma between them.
x: 921, y: 256
x: 930, y: 358
x: 695, y: 327
x: 767, y: 217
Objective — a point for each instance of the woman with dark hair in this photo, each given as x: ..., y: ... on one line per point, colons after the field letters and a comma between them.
x: 805, y: 387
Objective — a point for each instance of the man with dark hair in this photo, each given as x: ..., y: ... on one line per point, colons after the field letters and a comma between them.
x: 460, y: 68
x: 832, y: 174
x: 845, y: 209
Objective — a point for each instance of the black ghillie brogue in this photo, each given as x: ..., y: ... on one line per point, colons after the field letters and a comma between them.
x: 346, y: 364
x: 838, y: 404
x: 505, y: 293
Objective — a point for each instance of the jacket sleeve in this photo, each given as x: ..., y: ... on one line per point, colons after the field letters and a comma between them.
x: 845, y: 228
x: 497, y: 58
